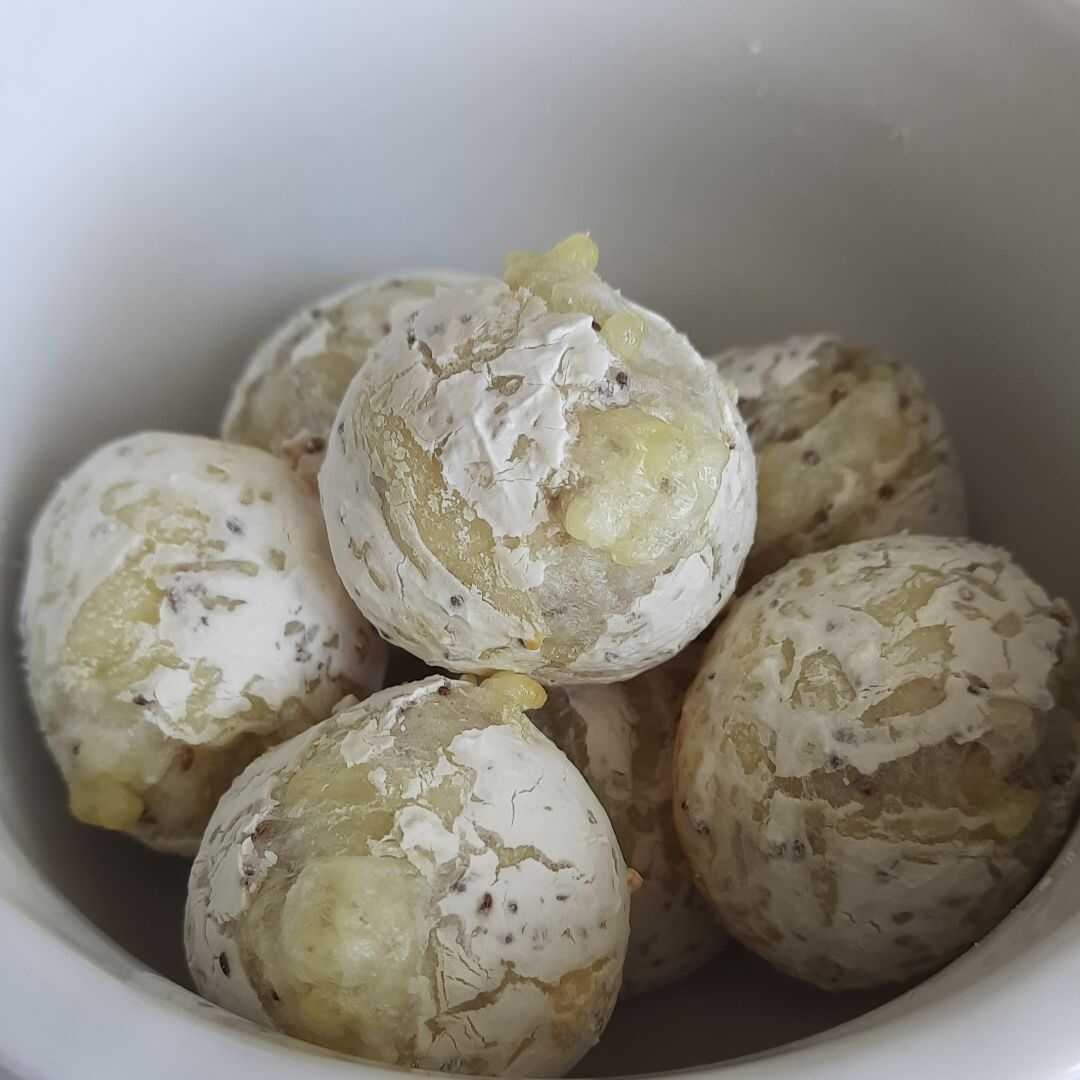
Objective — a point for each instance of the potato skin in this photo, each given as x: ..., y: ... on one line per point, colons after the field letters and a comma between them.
x: 622, y: 738
x: 180, y: 614
x: 503, y: 489
x: 288, y: 393
x: 849, y: 445
x: 423, y: 879
x: 879, y: 756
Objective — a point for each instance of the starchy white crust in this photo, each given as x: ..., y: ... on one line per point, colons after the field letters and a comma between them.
x: 180, y: 597
x: 879, y: 756
x: 511, y: 955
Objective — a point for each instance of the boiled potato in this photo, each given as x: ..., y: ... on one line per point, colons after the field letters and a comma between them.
x: 622, y: 738
x: 180, y: 614
x: 849, y: 445
x: 539, y: 476
x: 288, y: 394
x: 879, y: 756
x: 422, y: 880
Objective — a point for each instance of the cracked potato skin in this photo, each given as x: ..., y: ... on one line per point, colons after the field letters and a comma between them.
x: 424, y: 880
x: 622, y: 739
x: 879, y: 756
x: 180, y: 614
x: 288, y: 394
x: 849, y: 445
x: 540, y: 477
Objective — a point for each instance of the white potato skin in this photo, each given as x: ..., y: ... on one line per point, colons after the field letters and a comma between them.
x: 181, y: 612
x: 288, y: 393
x: 879, y: 756
x: 850, y: 447
x: 498, y: 430
x: 509, y: 955
x: 622, y: 738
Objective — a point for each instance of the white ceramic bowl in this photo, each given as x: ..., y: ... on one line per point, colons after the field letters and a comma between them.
x: 175, y: 178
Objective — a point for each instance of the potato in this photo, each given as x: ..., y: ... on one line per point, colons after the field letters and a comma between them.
x: 879, y: 756
x: 288, y: 394
x: 180, y: 614
x: 539, y: 477
x: 849, y: 447
x: 422, y: 880
x: 622, y: 738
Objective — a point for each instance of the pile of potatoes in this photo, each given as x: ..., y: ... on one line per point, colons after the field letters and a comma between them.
x: 709, y: 653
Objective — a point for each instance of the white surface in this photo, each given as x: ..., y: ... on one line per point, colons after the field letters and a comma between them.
x: 176, y: 180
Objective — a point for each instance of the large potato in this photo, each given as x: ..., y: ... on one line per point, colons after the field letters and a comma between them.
x: 424, y: 880
x: 541, y: 477
x: 849, y: 445
x: 180, y: 614
x: 879, y: 756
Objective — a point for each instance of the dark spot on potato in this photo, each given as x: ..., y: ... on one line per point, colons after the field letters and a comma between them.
x: 274, y: 995
x: 456, y: 601
x: 820, y: 516
x: 385, y: 328
x: 596, y: 326
x: 622, y: 379
x: 561, y: 897
x: 223, y: 963
x: 410, y: 337
x: 140, y: 699
x: 185, y: 759
x: 443, y: 691
x: 486, y: 902
x: 466, y: 318
x: 509, y: 939
x: 811, y: 457
x: 838, y: 395
x: 512, y: 907
x: 904, y: 402
x: 886, y: 492
x: 790, y: 434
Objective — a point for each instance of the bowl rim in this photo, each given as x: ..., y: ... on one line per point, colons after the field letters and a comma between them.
x: 929, y: 1027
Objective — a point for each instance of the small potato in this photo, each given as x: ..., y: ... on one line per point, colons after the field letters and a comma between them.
x: 180, y: 614
x: 539, y: 476
x: 286, y: 398
x: 849, y: 447
x: 879, y: 756
x: 622, y: 738
x: 423, y: 880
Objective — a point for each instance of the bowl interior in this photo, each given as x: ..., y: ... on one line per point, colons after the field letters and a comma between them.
x: 901, y: 172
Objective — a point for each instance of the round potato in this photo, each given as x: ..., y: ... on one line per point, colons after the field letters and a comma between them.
x: 622, y: 738
x: 849, y: 447
x: 540, y: 477
x: 880, y: 756
x: 180, y: 614
x: 286, y: 398
x: 424, y: 880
